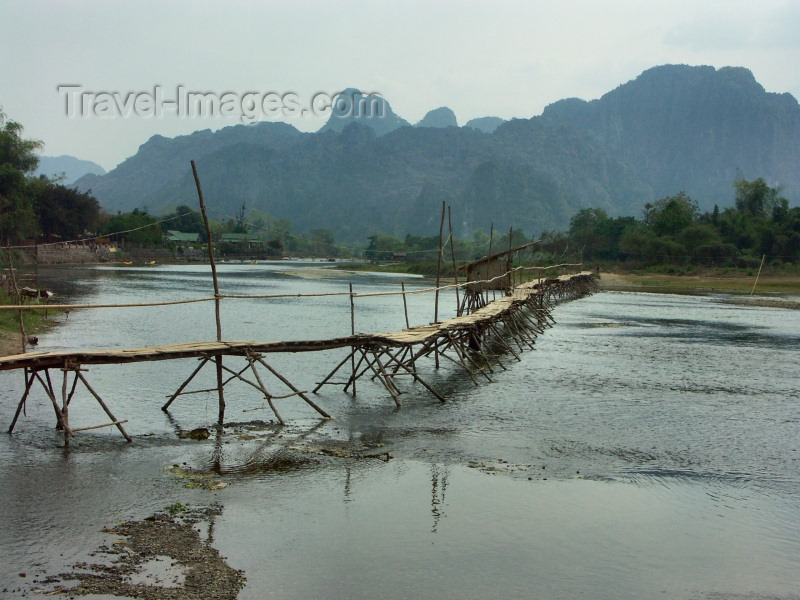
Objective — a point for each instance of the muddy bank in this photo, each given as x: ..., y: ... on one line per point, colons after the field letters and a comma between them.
x: 10, y: 343
x: 159, y: 558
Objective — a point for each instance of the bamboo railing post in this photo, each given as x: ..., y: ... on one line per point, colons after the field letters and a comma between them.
x: 218, y: 358
x: 510, y: 259
x: 491, y: 240
x: 353, y: 332
x: 405, y: 304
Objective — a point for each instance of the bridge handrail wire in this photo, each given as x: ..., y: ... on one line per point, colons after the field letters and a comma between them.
x: 271, y: 296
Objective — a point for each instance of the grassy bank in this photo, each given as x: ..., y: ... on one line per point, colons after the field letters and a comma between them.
x: 778, y: 282
x: 721, y: 281
x: 10, y: 337
x: 428, y: 269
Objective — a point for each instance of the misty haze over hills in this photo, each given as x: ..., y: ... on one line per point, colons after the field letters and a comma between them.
x: 674, y: 128
x: 69, y: 167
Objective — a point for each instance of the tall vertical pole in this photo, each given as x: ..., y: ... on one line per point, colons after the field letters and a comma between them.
x: 509, y: 260
x: 18, y: 300
x: 439, y: 268
x: 22, y: 331
x: 763, y: 256
x: 353, y: 332
x: 438, y: 280
x: 491, y: 240
x: 405, y: 304
x: 217, y: 359
x: 453, y: 252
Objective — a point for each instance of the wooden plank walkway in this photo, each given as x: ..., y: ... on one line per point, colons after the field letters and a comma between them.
x: 464, y: 340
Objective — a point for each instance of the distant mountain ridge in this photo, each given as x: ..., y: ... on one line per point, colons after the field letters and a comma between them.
x: 439, y: 117
x: 69, y: 167
x: 674, y: 128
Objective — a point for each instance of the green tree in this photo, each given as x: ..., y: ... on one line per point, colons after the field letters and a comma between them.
x: 65, y: 212
x: 186, y: 220
x: 381, y: 247
x: 17, y: 159
x: 241, y: 225
x: 697, y: 235
x: 583, y: 230
x: 280, y: 230
x: 596, y: 235
x: 135, y: 227
x: 323, y: 242
x: 755, y: 197
x: 670, y: 215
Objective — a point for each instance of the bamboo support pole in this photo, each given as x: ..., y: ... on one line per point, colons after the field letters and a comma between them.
x: 499, y: 337
x: 478, y: 368
x: 294, y: 389
x: 28, y: 384
x: 263, y: 389
x: 72, y: 390
x: 50, y: 391
x: 88, y: 427
x: 203, y: 361
x: 370, y: 365
x: 103, y: 404
x: 238, y: 375
x: 65, y: 406
x: 210, y: 244
x: 456, y: 345
x: 356, y: 374
x: 421, y: 381
x: 384, y: 379
x: 333, y: 372
x: 400, y: 356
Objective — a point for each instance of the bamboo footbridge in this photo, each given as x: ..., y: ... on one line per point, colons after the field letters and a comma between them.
x: 474, y: 341
x: 471, y: 341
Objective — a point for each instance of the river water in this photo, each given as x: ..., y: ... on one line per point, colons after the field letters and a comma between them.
x: 648, y: 447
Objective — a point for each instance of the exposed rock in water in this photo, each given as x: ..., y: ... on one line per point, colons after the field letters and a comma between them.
x: 201, y: 433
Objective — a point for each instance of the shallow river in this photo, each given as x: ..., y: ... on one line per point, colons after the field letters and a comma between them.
x: 649, y: 447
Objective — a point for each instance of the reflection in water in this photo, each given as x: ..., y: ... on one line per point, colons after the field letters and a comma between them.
x: 438, y: 492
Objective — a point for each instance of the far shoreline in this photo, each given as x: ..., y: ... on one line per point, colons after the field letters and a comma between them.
x: 771, y: 291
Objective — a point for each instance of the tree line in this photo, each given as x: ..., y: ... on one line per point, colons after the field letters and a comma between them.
x: 43, y: 210
x: 673, y: 232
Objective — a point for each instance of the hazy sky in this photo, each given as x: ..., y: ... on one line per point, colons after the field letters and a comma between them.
x: 508, y: 59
